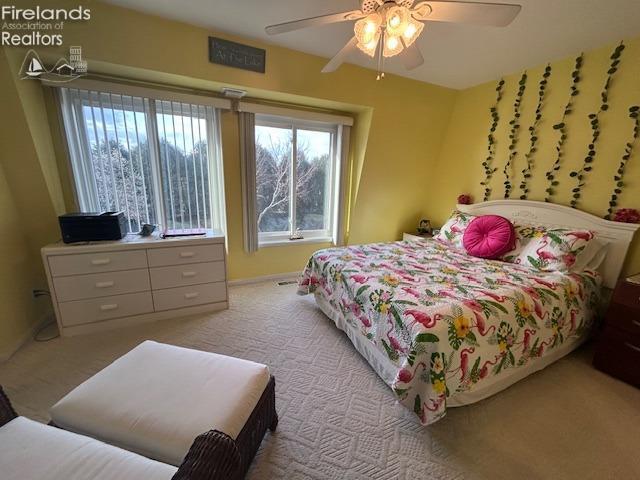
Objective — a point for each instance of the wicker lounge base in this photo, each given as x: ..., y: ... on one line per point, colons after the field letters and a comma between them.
x: 213, y: 455
x: 225, y: 457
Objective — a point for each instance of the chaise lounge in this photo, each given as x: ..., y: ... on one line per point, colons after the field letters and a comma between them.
x: 125, y: 423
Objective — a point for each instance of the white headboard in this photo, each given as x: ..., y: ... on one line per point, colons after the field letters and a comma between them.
x: 617, y: 235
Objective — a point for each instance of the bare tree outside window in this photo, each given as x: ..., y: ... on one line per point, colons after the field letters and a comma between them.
x: 274, y: 146
x: 273, y: 176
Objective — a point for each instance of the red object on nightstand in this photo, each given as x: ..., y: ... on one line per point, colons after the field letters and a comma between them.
x: 618, y: 350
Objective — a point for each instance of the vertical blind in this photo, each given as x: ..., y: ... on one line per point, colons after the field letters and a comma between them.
x: 158, y: 161
x: 182, y: 134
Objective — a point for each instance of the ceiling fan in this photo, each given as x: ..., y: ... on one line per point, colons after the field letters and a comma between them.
x: 385, y: 28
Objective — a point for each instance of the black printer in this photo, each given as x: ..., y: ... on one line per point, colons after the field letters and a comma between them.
x: 88, y: 227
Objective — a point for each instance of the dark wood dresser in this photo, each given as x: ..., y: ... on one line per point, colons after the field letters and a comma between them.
x: 618, y: 348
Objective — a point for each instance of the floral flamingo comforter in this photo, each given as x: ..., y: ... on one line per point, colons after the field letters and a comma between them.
x: 448, y: 321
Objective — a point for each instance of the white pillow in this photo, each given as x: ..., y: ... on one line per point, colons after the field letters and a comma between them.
x: 453, y: 230
x: 592, y: 256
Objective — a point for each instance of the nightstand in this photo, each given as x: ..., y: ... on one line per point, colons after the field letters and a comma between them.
x: 618, y: 349
x: 414, y: 236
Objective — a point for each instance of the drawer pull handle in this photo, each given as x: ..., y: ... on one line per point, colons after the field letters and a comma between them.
x: 188, y: 274
x: 186, y: 254
x: 105, y: 284
x: 100, y: 261
x: 632, y: 347
x: 110, y: 306
x: 636, y: 323
x: 190, y: 295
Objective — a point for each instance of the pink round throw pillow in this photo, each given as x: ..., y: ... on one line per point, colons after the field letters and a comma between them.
x: 489, y: 236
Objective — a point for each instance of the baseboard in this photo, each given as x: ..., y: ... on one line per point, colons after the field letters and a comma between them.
x: 264, y: 278
x: 7, y: 353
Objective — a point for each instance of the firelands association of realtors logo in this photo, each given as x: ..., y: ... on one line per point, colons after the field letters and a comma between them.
x: 43, y: 27
x: 62, y: 71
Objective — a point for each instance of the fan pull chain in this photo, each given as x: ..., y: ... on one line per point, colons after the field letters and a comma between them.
x: 380, y: 75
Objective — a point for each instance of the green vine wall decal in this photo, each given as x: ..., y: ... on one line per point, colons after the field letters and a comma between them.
x: 561, y: 128
x: 489, y: 170
x: 514, y: 134
x: 533, y: 134
x: 634, y: 114
x: 581, y: 175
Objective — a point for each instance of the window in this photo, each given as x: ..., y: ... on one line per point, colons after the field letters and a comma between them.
x: 156, y: 160
x: 296, y: 179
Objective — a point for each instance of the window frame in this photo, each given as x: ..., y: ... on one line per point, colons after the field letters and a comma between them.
x: 327, y: 235
x: 124, y: 97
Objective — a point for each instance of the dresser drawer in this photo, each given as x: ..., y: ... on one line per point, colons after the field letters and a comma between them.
x: 97, y: 262
x: 159, y: 257
x: 624, y: 318
x: 79, y: 287
x: 628, y: 294
x: 618, y: 355
x: 191, y: 274
x: 97, y: 309
x: 188, y: 296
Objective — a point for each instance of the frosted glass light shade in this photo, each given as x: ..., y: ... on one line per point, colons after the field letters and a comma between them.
x: 397, y: 19
x: 370, y: 47
x: 392, y: 46
x: 412, y: 31
x: 394, y: 25
x: 368, y: 28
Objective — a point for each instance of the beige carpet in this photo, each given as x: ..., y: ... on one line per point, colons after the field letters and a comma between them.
x: 337, y: 418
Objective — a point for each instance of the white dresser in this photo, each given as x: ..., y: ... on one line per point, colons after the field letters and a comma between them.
x: 101, y: 285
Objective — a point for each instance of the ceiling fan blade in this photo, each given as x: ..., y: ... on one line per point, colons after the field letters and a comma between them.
x: 490, y: 14
x: 412, y: 57
x: 339, y: 57
x: 313, y: 22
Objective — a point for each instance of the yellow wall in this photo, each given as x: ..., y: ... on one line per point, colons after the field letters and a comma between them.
x: 16, y: 277
x: 23, y: 218
x: 459, y: 168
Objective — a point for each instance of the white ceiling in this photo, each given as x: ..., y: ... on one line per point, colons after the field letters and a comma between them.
x: 456, y: 56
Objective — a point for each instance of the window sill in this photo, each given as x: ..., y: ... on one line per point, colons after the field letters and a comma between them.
x: 281, y: 243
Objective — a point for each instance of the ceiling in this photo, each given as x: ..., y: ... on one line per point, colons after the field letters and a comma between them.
x: 456, y: 56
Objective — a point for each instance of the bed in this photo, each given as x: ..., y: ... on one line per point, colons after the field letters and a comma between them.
x: 445, y: 329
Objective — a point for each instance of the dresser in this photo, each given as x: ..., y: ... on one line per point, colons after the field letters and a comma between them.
x: 102, y: 285
x: 618, y: 348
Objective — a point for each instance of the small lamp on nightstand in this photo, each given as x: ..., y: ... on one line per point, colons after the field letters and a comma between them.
x: 423, y: 231
x: 424, y: 228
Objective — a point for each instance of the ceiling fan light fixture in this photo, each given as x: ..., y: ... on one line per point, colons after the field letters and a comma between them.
x: 384, y: 28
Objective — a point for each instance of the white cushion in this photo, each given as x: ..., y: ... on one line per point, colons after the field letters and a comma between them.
x: 158, y: 398
x: 31, y: 450
x: 591, y: 257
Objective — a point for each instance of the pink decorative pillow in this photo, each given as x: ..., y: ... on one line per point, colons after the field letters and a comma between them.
x: 489, y: 236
